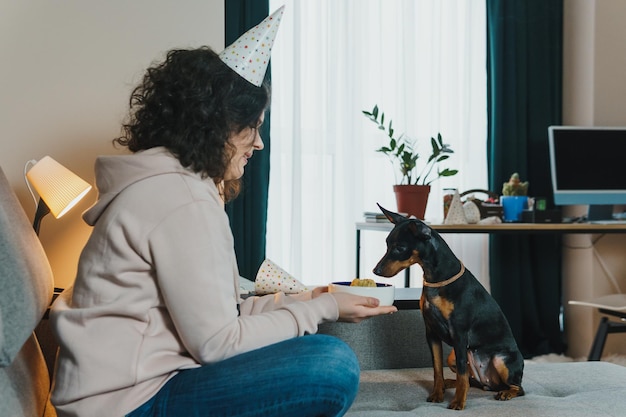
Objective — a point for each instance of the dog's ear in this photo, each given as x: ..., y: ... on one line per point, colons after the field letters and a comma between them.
x: 420, y: 230
x: 391, y: 216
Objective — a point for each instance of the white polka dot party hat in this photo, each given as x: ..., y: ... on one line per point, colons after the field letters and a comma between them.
x: 271, y: 279
x: 249, y: 55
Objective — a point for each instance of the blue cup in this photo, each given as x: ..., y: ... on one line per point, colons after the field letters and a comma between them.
x: 513, y: 205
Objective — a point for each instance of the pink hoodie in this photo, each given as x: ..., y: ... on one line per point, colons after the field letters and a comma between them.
x: 157, y: 290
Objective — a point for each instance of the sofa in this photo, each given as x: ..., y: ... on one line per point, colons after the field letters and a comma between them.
x: 26, y: 291
x: 397, y: 376
x: 395, y: 362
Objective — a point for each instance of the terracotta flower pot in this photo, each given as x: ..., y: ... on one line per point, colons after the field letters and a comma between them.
x: 412, y: 199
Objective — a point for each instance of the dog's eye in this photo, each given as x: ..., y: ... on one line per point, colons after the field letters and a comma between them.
x: 400, y: 249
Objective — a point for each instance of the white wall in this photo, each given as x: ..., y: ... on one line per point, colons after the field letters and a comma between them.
x: 67, y: 69
x: 594, y: 95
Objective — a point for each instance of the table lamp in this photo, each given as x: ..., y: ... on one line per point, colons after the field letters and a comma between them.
x: 59, y: 188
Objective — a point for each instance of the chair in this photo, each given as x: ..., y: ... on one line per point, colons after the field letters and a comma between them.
x: 27, y: 288
x: 612, y: 305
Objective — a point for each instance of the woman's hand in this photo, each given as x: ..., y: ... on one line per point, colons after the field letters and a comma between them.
x: 355, y: 308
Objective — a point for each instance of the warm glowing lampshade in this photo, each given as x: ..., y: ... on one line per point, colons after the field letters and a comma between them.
x: 58, y: 187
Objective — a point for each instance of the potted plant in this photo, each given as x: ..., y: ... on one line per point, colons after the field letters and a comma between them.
x: 413, y: 186
x: 514, y: 198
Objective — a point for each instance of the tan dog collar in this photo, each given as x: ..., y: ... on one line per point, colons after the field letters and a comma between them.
x: 446, y: 282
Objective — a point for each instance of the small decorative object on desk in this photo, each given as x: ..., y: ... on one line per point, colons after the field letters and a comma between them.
x: 514, y: 198
x: 515, y: 186
x: 489, y: 207
x: 448, y: 195
x: 459, y: 212
x: 456, y: 212
x: 472, y: 213
x: 271, y: 279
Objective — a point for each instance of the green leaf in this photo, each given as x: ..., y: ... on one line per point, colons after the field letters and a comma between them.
x: 448, y: 172
x: 401, y: 154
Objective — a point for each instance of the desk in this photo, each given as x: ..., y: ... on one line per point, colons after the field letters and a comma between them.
x: 501, y: 228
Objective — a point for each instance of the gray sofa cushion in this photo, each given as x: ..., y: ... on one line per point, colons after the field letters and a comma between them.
x: 581, y: 389
x: 25, y: 276
x: 386, y: 342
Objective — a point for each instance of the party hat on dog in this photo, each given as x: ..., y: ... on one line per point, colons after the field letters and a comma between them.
x: 249, y: 55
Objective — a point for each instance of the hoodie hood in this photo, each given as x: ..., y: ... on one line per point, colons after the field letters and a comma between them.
x: 115, y: 173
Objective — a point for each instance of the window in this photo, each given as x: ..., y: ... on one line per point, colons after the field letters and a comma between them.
x: 424, y: 63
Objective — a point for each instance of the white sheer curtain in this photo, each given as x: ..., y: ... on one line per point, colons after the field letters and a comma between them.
x: 424, y: 63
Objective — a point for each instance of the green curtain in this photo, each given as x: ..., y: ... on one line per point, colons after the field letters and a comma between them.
x: 248, y: 213
x: 524, y: 60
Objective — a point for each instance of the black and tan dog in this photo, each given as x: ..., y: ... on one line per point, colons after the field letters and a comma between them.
x: 457, y: 310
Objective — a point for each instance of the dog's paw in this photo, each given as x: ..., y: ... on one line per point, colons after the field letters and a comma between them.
x: 503, y: 395
x: 512, y: 392
x: 456, y: 404
x: 435, y: 397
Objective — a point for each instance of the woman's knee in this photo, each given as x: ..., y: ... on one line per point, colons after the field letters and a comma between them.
x: 335, y: 359
x: 338, y: 348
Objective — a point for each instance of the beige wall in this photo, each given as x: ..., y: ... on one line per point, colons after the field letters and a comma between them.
x: 594, y: 95
x: 67, y: 69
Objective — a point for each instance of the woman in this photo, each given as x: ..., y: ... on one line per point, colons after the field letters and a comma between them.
x: 154, y: 325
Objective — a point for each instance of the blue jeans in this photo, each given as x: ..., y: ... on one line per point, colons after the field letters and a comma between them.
x: 314, y: 375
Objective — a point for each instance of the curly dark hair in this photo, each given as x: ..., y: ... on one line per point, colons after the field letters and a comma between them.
x: 191, y: 103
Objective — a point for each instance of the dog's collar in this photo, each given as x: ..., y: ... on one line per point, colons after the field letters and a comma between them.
x: 446, y: 282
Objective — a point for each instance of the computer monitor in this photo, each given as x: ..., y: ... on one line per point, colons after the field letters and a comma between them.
x: 588, y: 167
